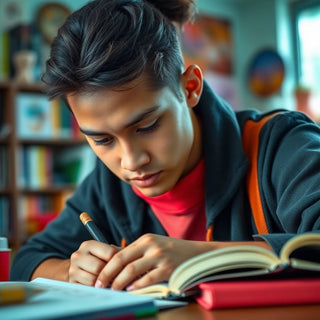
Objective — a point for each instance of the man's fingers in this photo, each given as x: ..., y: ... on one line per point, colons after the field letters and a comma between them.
x: 83, y: 277
x: 98, y: 249
x: 149, y: 252
x: 124, y: 268
x: 131, y: 272
x: 154, y: 276
x: 87, y: 262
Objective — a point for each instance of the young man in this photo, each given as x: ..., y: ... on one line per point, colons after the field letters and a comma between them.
x: 170, y: 179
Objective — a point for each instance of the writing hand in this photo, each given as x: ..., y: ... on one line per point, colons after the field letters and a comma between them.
x: 150, y: 259
x: 89, y: 260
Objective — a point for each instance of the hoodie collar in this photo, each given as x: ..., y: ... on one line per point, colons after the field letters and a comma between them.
x: 225, y: 161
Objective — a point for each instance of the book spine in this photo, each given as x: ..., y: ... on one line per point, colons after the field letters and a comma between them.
x: 56, y: 118
x: 36, y: 211
x: 25, y: 167
x: 33, y: 161
x: 41, y: 161
x: 5, y: 61
x: 49, y: 167
x: 4, y: 168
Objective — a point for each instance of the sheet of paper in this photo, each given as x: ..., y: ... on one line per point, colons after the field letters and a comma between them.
x: 62, y: 299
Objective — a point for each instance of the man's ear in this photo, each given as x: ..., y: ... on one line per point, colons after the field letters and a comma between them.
x: 192, y: 82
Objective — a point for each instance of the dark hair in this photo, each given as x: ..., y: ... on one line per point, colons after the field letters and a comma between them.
x: 109, y: 43
x: 179, y: 11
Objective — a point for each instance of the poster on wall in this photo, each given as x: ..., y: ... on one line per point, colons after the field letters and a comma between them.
x: 208, y: 43
x: 266, y: 73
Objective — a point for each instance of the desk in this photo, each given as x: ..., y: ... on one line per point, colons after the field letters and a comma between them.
x: 195, y: 312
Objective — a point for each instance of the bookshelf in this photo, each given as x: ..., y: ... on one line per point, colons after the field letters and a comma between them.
x: 41, y: 154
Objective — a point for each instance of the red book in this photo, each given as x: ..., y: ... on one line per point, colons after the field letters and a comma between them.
x: 254, y: 293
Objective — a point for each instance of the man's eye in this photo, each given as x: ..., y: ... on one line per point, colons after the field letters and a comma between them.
x: 101, y: 142
x: 150, y: 127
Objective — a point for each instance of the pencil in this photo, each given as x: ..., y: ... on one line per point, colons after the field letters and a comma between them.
x: 13, y: 293
x: 91, y: 227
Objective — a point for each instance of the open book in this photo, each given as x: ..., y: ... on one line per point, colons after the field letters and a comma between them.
x: 300, y: 254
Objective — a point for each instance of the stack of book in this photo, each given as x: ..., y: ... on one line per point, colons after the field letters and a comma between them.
x: 248, y: 275
x: 36, y: 211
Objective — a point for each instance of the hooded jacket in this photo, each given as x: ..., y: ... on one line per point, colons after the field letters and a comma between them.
x: 288, y: 172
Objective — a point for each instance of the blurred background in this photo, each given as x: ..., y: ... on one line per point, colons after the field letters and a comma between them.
x: 278, y: 34
x: 261, y: 54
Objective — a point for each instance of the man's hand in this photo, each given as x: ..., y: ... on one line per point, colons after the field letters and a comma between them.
x: 89, y: 260
x: 150, y: 259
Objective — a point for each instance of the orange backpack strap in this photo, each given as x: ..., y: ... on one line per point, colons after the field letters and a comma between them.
x: 250, y: 144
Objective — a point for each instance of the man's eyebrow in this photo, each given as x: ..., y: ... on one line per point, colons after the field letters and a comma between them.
x: 92, y: 133
x: 135, y: 120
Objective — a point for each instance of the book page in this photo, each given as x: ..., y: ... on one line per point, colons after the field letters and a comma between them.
x: 159, y: 290
x: 217, y: 261
x: 299, y: 241
x: 305, y: 265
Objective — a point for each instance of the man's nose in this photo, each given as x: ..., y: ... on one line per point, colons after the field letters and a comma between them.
x: 133, y: 156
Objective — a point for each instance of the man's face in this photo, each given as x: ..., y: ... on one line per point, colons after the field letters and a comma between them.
x: 145, y: 137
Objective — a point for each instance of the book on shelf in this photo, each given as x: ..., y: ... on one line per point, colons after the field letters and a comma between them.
x: 42, y: 166
x: 4, y: 167
x: 63, y: 122
x: 73, y: 165
x: 4, y: 56
x: 35, y: 166
x: 4, y: 216
x: 299, y: 256
x: 39, y: 118
x: 36, y: 211
x: 33, y: 116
